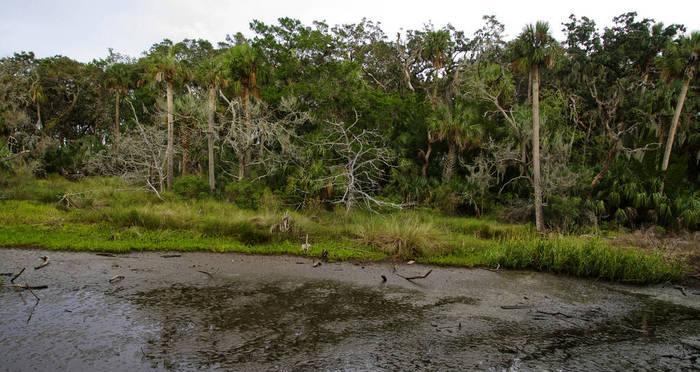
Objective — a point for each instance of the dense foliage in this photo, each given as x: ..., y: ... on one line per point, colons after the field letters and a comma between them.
x: 598, y: 128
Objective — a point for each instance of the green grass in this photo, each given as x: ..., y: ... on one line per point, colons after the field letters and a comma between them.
x: 103, y: 214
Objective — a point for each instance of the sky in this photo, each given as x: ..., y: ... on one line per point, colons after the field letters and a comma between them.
x: 85, y: 29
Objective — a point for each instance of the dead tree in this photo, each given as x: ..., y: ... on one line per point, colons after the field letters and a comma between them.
x: 266, y: 139
x: 359, y: 163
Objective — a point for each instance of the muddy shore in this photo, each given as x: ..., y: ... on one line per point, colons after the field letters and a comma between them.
x: 229, y: 311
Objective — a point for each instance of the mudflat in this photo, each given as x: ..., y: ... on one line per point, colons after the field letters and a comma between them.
x: 194, y: 311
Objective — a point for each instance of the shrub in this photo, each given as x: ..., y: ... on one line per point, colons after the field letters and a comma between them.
x: 245, y: 194
x: 191, y: 187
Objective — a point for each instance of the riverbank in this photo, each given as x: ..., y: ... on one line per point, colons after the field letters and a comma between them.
x: 100, y: 214
x: 197, y: 310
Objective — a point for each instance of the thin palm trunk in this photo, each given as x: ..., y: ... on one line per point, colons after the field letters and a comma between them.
x: 210, y: 137
x: 450, y: 162
x: 117, y: 135
x: 185, y: 140
x: 38, y: 116
x: 171, y: 135
x: 539, y: 218
x: 674, y: 124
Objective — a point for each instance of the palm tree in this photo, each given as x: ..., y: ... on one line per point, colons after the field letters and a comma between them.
x: 36, y: 93
x: 457, y: 126
x: 241, y: 63
x: 211, y: 74
x: 535, y: 48
x: 163, y: 66
x: 680, y: 61
x: 118, y: 80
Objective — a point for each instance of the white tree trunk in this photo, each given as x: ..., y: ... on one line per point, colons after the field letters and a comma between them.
x: 539, y: 218
x: 171, y: 135
x: 674, y: 124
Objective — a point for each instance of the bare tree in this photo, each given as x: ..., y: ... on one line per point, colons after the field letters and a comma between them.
x: 141, y: 157
x: 358, y: 163
x: 266, y: 139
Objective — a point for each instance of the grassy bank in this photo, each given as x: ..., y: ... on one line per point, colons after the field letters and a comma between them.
x: 105, y: 215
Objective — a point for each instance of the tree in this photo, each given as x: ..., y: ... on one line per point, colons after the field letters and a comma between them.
x: 535, y: 48
x: 163, y: 66
x: 241, y: 62
x: 118, y: 81
x: 459, y: 127
x: 680, y: 61
x: 212, y: 75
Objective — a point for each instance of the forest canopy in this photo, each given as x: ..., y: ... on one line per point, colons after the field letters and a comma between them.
x: 600, y: 127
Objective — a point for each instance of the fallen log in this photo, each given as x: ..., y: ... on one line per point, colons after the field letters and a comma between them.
x: 43, y: 264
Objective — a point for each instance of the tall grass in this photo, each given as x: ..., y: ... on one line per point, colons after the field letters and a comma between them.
x: 106, y: 214
x: 403, y: 236
x: 584, y: 258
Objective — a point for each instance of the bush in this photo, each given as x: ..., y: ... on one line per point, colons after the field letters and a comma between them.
x: 191, y: 187
x: 245, y: 194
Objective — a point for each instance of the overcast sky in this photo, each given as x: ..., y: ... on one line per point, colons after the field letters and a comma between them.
x: 84, y: 29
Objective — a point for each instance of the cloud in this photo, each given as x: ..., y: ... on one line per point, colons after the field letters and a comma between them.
x: 84, y: 29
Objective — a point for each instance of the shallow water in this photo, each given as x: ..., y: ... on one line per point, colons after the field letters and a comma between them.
x: 290, y: 322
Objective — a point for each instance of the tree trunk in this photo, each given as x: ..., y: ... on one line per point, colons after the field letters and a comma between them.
x: 523, y: 155
x: 241, y: 166
x: 539, y: 218
x: 185, y: 140
x: 606, y: 167
x: 115, y: 130
x: 39, y: 125
x: 529, y: 88
x: 245, y: 155
x: 674, y: 124
x: 450, y: 162
x: 210, y: 137
x: 171, y: 136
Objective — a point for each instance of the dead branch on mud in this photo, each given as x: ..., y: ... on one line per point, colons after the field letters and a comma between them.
x: 206, y: 273
x: 116, y: 279
x: 410, y: 278
x: 43, y: 264
x: 17, y: 275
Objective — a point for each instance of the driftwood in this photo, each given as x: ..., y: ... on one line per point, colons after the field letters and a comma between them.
x: 283, y: 226
x: 116, y: 279
x: 43, y: 264
x: 26, y: 286
x: 410, y: 278
x: 17, y: 275
x: 205, y: 273
x: 680, y: 288
x: 554, y: 313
